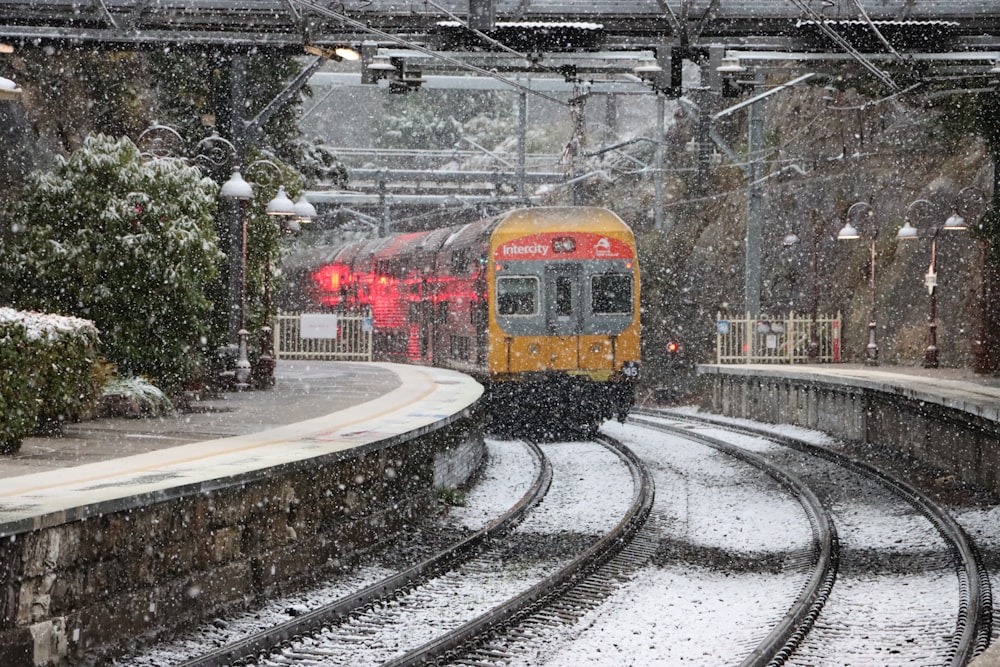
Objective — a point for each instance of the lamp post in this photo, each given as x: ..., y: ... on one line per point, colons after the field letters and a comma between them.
x: 980, y: 354
x: 954, y: 222
x: 283, y: 207
x: 849, y: 232
x: 237, y: 189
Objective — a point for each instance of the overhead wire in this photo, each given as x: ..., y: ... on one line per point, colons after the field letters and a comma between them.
x: 878, y: 33
x: 823, y: 24
x: 479, y: 33
x: 319, y: 9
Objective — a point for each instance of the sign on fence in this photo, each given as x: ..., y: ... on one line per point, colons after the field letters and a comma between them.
x: 323, y: 336
x: 317, y: 325
x: 789, y: 340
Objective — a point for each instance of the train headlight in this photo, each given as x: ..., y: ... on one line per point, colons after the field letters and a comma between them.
x: 596, y: 348
x: 564, y: 244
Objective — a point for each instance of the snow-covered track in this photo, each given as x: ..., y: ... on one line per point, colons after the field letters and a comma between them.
x: 261, y: 643
x: 559, y: 595
x: 783, y: 638
x: 973, y: 622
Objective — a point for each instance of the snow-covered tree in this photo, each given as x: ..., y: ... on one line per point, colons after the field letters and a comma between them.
x: 126, y: 242
x: 438, y: 119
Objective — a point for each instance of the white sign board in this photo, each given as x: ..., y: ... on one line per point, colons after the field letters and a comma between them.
x: 930, y: 280
x: 317, y: 325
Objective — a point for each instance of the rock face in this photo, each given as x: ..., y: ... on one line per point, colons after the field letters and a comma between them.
x: 824, y: 151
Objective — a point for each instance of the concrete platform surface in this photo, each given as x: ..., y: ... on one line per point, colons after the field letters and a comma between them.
x: 315, y: 409
x: 951, y: 387
x: 303, y: 390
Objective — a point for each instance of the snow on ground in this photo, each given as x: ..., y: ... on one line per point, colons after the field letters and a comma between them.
x: 721, y: 512
x: 510, y: 472
x: 677, y: 613
x: 664, y: 616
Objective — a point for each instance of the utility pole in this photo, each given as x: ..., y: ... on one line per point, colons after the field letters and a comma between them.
x: 755, y: 205
x: 661, y: 104
x: 238, y: 134
x: 522, y: 143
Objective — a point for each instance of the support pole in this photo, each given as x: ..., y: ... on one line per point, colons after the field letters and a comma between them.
x: 661, y: 104
x: 755, y: 201
x: 237, y: 103
x: 522, y: 144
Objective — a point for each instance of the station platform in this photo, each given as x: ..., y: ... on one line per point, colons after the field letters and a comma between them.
x: 315, y: 408
x: 957, y: 388
x: 303, y: 390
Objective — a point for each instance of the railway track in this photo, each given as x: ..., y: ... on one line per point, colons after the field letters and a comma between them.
x: 944, y: 577
x: 815, y: 560
x: 449, y: 595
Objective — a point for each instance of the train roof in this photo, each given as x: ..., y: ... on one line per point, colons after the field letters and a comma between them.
x: 555, y: 218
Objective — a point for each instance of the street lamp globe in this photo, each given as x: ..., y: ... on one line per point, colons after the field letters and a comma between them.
x: 281, y: 204
x: 955, y: 222
x: 791, y: 238
x: 8, y: 89
x: 236, y: 188
x: 848, y: 233
x: 304, y: 210
x: 907, y: 231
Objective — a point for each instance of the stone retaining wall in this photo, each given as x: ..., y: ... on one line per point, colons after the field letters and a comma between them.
x: 82, y: 591
x: 955, y: 439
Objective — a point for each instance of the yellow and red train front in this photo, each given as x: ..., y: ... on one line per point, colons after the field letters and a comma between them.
x: 564, y: 294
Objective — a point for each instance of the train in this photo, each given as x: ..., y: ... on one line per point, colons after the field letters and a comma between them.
x: 539, y: 304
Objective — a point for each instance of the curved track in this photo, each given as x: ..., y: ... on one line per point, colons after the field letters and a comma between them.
x: 552, y: 588
x: 973, y: 622
x: 265, y: 641
x: 783, y: 639
x: 327, y: 634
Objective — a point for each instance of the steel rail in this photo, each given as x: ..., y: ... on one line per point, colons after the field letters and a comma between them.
x: 267, y: 640
x: 975, y: 623
x: 511, y: 612
x: 786, y: 636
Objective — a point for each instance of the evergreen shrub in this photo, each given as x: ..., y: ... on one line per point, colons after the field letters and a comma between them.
x: 49, y: 373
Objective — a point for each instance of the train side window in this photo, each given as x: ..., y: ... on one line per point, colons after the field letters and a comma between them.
x: 460, y: 262
x: 517, y: 295
x: 611, y: 294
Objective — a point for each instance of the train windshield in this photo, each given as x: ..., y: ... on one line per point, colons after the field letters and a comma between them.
x: 517, y: 295
x: 611, y: 294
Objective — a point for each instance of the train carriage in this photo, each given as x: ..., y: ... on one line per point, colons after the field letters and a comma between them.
x: 541, y: 305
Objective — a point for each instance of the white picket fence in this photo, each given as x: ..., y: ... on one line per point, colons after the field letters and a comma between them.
x: 764, y: 340
x: 323, y: 336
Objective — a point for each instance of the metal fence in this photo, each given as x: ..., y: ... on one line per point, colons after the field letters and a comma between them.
x: 323, y: 336
x: 762, y: 340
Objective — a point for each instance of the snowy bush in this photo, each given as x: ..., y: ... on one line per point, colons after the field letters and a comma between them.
x: 126, y: 242
x: 49, y: 372
x: 19, y: 394
x: 135, y: 397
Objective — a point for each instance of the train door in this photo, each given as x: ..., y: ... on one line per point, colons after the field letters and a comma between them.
x: 563, y: 312
x: 562, y: 300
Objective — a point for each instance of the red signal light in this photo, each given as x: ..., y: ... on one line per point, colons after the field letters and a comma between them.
x: 673, y: 347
